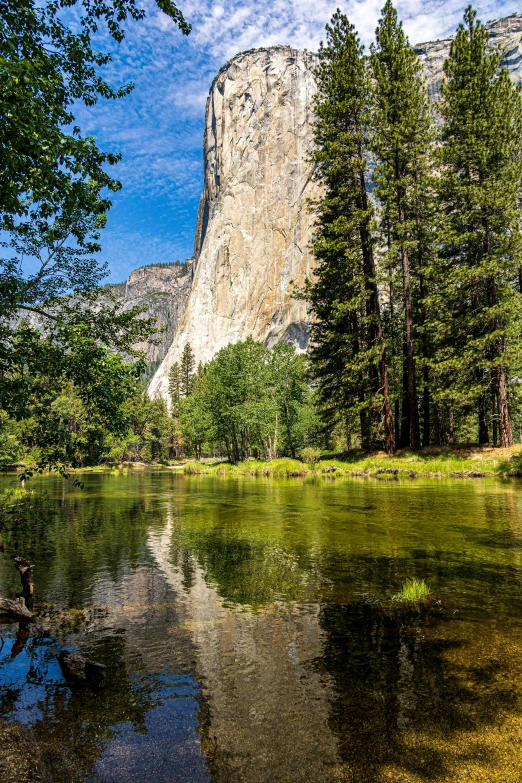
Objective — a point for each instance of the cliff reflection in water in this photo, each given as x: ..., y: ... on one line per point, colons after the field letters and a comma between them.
x: 243, y: 637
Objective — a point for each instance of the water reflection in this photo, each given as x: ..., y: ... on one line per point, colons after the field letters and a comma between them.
x: 243, y: 636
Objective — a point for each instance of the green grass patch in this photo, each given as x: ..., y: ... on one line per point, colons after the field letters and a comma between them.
x: 441, y: 462
x: 413, y: 591
x: 194, y: 468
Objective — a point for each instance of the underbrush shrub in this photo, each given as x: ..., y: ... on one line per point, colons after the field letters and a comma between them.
x: 311, y: 457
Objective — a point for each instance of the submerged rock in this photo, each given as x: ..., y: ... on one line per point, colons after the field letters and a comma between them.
x: 80, y: 670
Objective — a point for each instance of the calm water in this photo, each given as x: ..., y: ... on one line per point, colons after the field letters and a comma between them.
x: 248, y: 634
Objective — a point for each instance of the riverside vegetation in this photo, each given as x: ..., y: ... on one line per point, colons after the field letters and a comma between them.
x: 416, y: 303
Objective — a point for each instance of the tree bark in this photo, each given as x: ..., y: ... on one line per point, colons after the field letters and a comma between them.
x: 410, y: 353
x: 494, y: 417
x: 426, y: 428
x: 482, y: 420
x: 16, y: 608
x: 375, y: 314
x: 504, y: 414
x: 436, y: 425
x: 25, y: 569
x: 451, y: 433
x: 405, y: 430
x: 348, y: 433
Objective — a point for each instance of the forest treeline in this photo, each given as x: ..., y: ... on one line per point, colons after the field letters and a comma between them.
x: 247, y: 402
x: 416, y: 300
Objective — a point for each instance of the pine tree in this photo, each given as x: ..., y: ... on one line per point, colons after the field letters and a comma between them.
x: 188, y: 364
x: 402, y: 139
x: 174, y: 387
x: 348, y: 354
x: 476, y: 306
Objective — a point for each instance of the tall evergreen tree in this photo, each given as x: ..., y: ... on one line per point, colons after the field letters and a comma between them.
x: 476, y: 306
x: 402, y: 139
x: 348, y: 355
x: 175, y: 387
x: 187, y: 367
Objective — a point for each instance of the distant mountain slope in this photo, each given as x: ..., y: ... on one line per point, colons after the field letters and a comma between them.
x: 163, y: 290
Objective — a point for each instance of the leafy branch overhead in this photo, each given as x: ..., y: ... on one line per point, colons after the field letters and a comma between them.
x: 57, y: 323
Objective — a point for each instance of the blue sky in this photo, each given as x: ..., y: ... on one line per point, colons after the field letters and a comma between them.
x: 159, y: 127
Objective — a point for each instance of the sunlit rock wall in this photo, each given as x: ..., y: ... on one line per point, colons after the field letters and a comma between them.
x: 505, y: 33
x: 254, y: 225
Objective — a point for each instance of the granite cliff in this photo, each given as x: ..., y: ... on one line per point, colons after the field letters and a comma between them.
x: 163, y: 290
x: 254, y: 225
x: 505, y: 33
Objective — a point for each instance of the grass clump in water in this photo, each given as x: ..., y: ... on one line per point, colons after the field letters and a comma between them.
x: 413, y: 591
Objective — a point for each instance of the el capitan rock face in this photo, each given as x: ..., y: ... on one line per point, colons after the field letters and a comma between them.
x: 254, y: 225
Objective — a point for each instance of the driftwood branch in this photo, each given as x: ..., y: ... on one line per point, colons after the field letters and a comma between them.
x: 25, y: 569
x: 17, y: 608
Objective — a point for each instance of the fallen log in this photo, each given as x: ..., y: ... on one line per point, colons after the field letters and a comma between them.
x: 80, y: 670
x: 25, y: 569
x: 17, y: 608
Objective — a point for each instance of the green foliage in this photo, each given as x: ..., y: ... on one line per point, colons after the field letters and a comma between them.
x: 348, y: 358
x: 175, y: 387
x: 248, y: 401
x: 402, y: 139
x: 311, y: 456
x: 413, y: 591
x: 11, y: 449
x: 475, y: 303
x: 186, y: 370
x: 53, y: 202
x: 420, y: 285
x: 47, y: 66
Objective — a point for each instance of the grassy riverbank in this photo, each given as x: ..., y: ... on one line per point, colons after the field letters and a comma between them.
x: 432, y: 462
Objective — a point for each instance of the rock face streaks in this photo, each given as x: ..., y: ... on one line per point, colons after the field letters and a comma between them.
x: 505, y: 33
x: 254, y: 226
x: 163, y: 291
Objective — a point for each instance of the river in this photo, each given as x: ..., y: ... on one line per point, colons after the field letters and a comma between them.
x: 249, y: 631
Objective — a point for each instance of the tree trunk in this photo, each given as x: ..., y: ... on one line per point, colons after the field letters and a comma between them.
x: 504, y: 415
x: 494, y: 417
x: 17, y: 608
x: 364, y: 423
x: 410, y: 354
x: 373, y: 309
x: 426, y: 427
x: 436, y: 425
x: 451, y: 432
x: 25, y: 569
x: 348, y: 433
x: 482, y: 420
x: 405, y: 430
